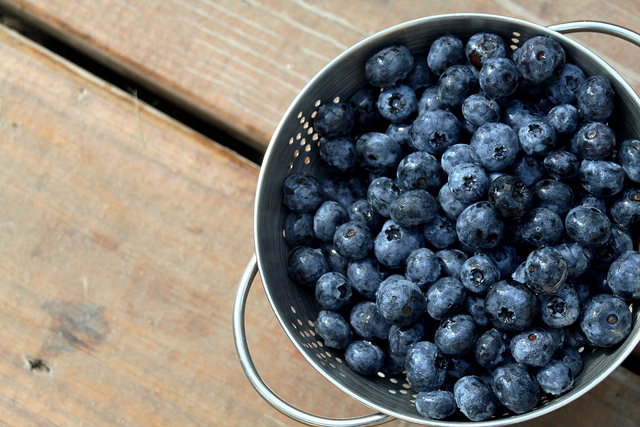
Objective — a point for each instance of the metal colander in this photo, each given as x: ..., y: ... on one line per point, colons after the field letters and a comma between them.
x: 294, y: 148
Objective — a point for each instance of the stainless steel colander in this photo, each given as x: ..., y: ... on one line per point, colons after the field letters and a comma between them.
x: 294, y: 148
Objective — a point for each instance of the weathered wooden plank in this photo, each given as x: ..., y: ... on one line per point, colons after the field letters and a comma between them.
x: 240, y: 64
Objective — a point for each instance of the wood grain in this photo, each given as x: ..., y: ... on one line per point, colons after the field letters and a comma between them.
x: 240, y: 64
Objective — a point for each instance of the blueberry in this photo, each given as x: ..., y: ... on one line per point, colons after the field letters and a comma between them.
x: 490, y: 348
x: 601, y: 178
x: 434, y: 131
x: 413, y: 207
x: 333, y: 329
x: 333, y: 291
x: 388, y: 66
x: 511, y: 306
x: 474, y: 398
x: 629, y: 158
x: 334, y: 119
x: 564, y: 118
x: 624, y: 275
x: 587, y: 226
x: 394, y: 243
x: 400, y: 133
x: 496, y: 145
x: 449, y: 204
x: 537, y: 138
x: 451, y: 261
x: 528, y: 169
x: 423, y: 267
x: 468, y: 182
x: 578, y: 258
x: 593, y: 141
x: 564, y: 89
x: 367, y: 322
x: 420, y: 76
x: 595, y: 99
x: 625, y: 210
x: 336, y: 262
x: 482, y: 46
x: 381, y: 192
x: 444, y: 52
x: 462, y: 366
x: 506, y: 258
x: 555, y: 195
x: 454, y: 85
x: 456, y: 335
x: 339, y: 154
x: 515, y: 388
x: 301, y: 192
x: 353, y: 240
x: 397, y: 103
x: 401, y: 303
x: 480, y: 227
x: 298, y: 229
x: 360, y: 210
x: 540, y: 59
x: 426, y: 367
x: 419, y: 170
x: 510, y: 197
x: 367, y: 116
x: 402, y: 338
x: 534, y: 347
x: 440, y: 232
x: 560, y: 309
x: 376, y: 152
x: 541, y: 227
x: 365, y: 276
x: 305, y: 265
x: 517, y: 112
x: 364, y: 357
x: 429, y: 100
x: 436, y: 404
x: 584, y: 198
x: 498, y: 78
x: 606, y: 320
x: 445, y: 296
x: 338, y: 190
x: 479, y: 109
x: 327, y: 218
x: 572, y: 357
x: 478, y: 273
x: 619, y: 242
x: 474, y: 305
x: 555, y: 378
x: 561, y: 164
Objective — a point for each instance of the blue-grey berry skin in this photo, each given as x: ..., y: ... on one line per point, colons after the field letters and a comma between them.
x: 584, y: 198
x: 426, y: 367
x: 364, y: 357
x: 334, y: 330
x: 475, y: 398
x: 561, y: 164
x: 595, y: 99
x: 389, y: 66
x: 498, y: 78
x: 483, y: 46
x: 397, y: 103
x: 440, y: 232
x: 537, y: 138
x: 506, y: 258
x: 360, y: 210
x: 564, y: 89
x: 353, y: 240
x: 333, y: 291
x: 454, y: 85
x: 334, y: 119
x: 401, y: 339
x: 578, y: 258
x: 298, y: 229
x: 625, y: 209
x: 305, y: 265
x: 540, y: 59
x: 381, y: 193
x: 517, y: 112
x: 491, y: 348
x: 444, y: 52
x: 400, y: 133
x: 451, y: 261
x: 429, y: 100
x: 545, y: 270
x: 560, y: 309
x: 511, y: 306
x: 339, y: 190
x: 606, y: 320
x: 587, y: 226
x: 327, y: 218
x: 510, y: 197
x: 555, y: 378
x: 419, y: 171
x: 496, y: 145
x: 339, y: 154
x: 420, y: 76
x: 629, y: 158
x: 602, y: 178
x: 401, y: 303
x: 423, y: 267
x: 445, y: 296
x: 436, y: 404
x: 528, y: 169
x: 365, y: 276
x: 434, y: 131
x: 367, y: 116
x: 394, y: 243
x: 619, y: 242
x: 478, y: 273
x: 515, y: 388
x: 572, y: 357
x: 413, y: 207
x: 541, y: 227
x: 301, y: 192
x: 456, y: 335
x: 449, y: 204
x: 376, y: 152
x: 593, y: 141
x: 624, y: 275
x: 478, y: 109
x: 533, y: 347
x: 553, y: 194
x: 468, y: 182
x: 474, y: 305
x: 564, y: 118
x: 367, y: 322
x: 480, y: 227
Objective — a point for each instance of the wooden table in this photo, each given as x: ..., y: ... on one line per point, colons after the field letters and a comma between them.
x: 124, y: 232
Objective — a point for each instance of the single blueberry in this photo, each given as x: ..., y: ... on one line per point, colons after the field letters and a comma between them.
x: 561, y: 164
x: 376, y: 152
x: 474, y: 398
x: 444, y: 52
x: 327, y: 218
x: 541, y: 227
x: 587, y: 226
x: 456, y: 335
x: 560, y: 309
x: 426, y: 367
x: 625, y: 209
x: 402, y: 338
x: 478, y: 273
x: 555, y: 378
x: 629, y: 158
x: 510, y: 197
x: 436, y: 404
x: 333, y: 291
x: 506, y: 258
x: 564, y: 118
x: 429, y: 100
x: 336, y: 262
x: 400, y: 133
x: 365, y: 276
x: 298, y: 229
x: 496, y: 145
x: 339, y: 154
x: 451, y: 261
x: 483, y: 46
x: 364, y: 357
x: 511, y: 306
x: 540, y: 59
x: 367, y: 322
x: 552, y: 194
x: 498, y: 78
x: 434, y: 131
x: 301, y: 192
x: 491, y: 348
x: 449, y: 204
x: 515, y: 388
x: 528, y: 169
x: 380, y: 193
x: 593, y: 141
x: 445, y: 296
x: 606, y: 320
x: 420, y: 76
x: 468, y: 182
x: 305, y: 265
x: 578, y: 258
x: 389, y: 65
x: 333, y: 329
x: 624, y: 275
x: 480, y: 226
x: 360, y: 210
x: 564, y: 89
x: 440, y: 232
x: 454, y: 85
x: 537, y: 138
x: 394, y: 243
x: 595, y: 99
x: 479, y: 109
x: 401, y: 303
x: 534, y: 347
x: 419, y: 170
x: 397, y: 103
x: 413, y: 207
x: 602, y: 178
x: 423, y: 267
x: 353, y: 240
x: 334, y: 119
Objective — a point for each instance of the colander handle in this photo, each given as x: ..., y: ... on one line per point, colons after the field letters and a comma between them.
x: 240, y: 337
x: 597, y: 27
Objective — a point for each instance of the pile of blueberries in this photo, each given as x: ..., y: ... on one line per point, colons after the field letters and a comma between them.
x: 478, y: 227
